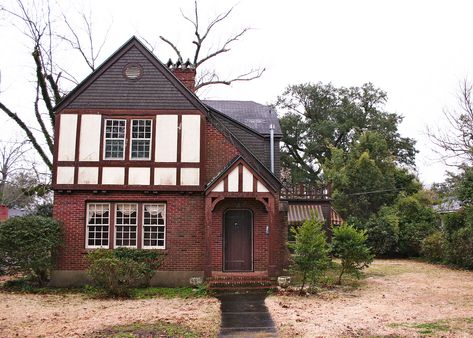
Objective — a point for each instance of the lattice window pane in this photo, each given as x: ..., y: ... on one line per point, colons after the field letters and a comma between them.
x: 126, y: 224
x: 98, y: 218
x: 140, y: 139
x: 115, y: 132
x: 154, y: 235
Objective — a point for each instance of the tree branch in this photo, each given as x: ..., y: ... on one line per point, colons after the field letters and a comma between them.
x: 179, y: 56
x: 28, y: 132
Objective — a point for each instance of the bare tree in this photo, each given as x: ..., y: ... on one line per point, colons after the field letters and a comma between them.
x: 210, y: 77
x: 455, y: 140
x: 11, y: 156
x: 37, y: 21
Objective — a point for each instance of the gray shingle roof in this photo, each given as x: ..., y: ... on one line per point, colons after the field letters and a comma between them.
x: 255, y: 116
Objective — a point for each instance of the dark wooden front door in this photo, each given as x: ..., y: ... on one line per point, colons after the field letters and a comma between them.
x: 238, y: 238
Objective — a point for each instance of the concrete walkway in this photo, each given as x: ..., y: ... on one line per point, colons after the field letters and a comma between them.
x: 245, y: 315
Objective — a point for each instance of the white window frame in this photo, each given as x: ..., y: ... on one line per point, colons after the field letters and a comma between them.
x: 150, y: 139
x: 105, y: 141
x: 149, y: 247
x: 115, y: 207
x: 87, y: 246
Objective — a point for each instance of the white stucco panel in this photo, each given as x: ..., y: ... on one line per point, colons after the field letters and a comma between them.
x: 138, y: 176
x: 260, y: 187
x: 88, y: 175
x: 166, y: 138
x: 89, y: 144
x: 165, y: 176
x: 247, y: 180
x: 190, y: 139
x: 233, y: 180
x: 113, y: 175
x: 219, y: 187
x: 65, y: 175
x: 190, y: 176
x: 67, y: 137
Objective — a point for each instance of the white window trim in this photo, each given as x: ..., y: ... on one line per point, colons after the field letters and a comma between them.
x: 115, y: 246
x: 87, y: 246
x: 150, y: 140
x: 105, y: 141
x: 143, y: 225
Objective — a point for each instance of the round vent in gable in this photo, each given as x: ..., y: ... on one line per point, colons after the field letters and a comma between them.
x: 133, y: 71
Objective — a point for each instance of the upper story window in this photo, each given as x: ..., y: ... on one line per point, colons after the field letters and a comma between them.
x: 116, y: 139
x: 140, y: 139
x: 115, y: 132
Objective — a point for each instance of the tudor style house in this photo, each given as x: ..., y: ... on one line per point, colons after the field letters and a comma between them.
x: 141, y: 162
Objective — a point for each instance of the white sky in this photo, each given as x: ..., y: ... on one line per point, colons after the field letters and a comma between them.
x: 417, y: 51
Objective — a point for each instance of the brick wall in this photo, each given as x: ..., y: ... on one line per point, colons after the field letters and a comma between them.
x: 219, y: 151
x: 184, y: 227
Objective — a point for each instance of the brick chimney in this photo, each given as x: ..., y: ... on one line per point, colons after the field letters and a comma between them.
x: 185, y: 72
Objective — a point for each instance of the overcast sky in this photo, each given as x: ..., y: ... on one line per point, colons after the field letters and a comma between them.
x: 417, y: 51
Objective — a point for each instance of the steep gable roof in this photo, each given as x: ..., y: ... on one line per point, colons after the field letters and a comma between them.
x: 107, y: 87
x: 255, y: 116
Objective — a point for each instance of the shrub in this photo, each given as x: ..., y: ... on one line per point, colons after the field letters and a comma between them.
x: 119, y: 270
x: 28, y: 245
x: 349, y: 244
x: 311, y: 251
x: 433, y: 247
x: 460, y: 247
x: 416, y: 222
x: 383, y: 232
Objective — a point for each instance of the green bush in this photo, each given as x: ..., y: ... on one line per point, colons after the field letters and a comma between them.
x: 311, y: 251
x: 118, y: 271
x: 28, y: 245
x: 349, y: 244
x: 460, y: 247
x: 383, y: 232
x: 416, y: 222
x: 433, y: 247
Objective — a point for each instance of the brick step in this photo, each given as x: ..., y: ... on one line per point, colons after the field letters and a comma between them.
x: 240, y: 283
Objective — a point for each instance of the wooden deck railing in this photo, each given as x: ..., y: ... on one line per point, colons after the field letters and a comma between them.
x: 304, y: 191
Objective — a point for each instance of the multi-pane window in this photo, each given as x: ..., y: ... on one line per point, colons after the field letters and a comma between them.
x: 154, y: 225
x: 115, y: 133
x: 98, y: 221
x: 126, y: 216
x: 124, y: 220
x: 140, y: 139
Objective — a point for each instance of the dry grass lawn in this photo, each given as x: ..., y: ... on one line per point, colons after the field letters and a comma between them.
x: 397, y: 298
x: 72, y: 315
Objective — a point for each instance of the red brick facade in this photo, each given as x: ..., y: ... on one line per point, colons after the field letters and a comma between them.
x: 185, y: 221
x: 184, y: 227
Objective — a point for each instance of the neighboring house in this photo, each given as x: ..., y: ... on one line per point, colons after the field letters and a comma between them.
x: 3, y: 212
x: 448, y: 206
x: 141, y: 162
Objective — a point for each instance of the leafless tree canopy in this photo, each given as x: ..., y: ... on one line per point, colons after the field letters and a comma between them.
x: 455, y: 140
x: 201, y: 33
x: 38, y: 21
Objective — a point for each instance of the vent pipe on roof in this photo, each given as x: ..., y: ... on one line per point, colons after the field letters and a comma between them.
x: 271, y: 146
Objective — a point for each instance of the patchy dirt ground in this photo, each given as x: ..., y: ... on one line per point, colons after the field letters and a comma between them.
x: 27, y: 315
x: 398, y: 298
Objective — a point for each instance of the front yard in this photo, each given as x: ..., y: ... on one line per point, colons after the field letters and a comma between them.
x: 76, y: 315
x: 396, y: 298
